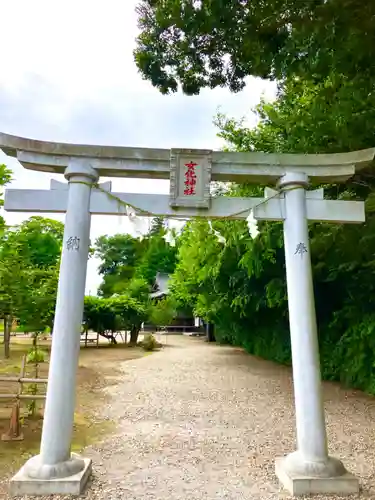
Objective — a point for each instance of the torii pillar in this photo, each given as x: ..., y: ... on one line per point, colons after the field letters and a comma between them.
x: 46, y: 473
x: 310, y: 469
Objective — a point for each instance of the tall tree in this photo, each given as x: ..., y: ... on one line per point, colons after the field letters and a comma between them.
x: 119, y: 255
x: 124, y: 258
x: 333, y: 115
x: 129, y: 268
x: 5, y: 178
x: 38, y: 241
x: 219, y: 43
x: 157, y: 226
x: 240, y: 285
x: 106, y: 316
x: 29, y: 260
x: 157, y: 256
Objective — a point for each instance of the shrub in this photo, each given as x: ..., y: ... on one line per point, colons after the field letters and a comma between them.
x: 149, y: 343
x: 161, y: 313
x: 36, y: 356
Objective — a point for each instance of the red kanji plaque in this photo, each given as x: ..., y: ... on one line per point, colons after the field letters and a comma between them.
x: 190, y: 178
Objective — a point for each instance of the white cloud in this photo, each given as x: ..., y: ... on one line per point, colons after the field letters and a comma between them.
x: 67, y: 74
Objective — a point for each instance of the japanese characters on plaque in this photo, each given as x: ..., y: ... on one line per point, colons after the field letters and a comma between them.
x: 190, y: 178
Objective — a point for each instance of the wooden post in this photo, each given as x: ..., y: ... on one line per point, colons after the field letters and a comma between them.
x: 14, y: 432
x: 34, y: 390
x: 29, y: 397
x: 6, y: 337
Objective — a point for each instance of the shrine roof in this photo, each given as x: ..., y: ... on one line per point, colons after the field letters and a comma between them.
x: 120, y: 161
x: 161, y: 285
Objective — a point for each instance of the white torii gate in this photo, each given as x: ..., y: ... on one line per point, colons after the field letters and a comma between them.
x: 309, y: 469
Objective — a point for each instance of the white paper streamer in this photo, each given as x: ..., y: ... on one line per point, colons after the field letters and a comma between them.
x: 139, y: 224
x: 252, y: 224
x: 173, y: 228
x: 170, y: 238
x: 176, y: 224
x: 220, y: 238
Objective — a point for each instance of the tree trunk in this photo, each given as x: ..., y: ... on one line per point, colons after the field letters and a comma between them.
x: 109, y: 336
x: 210, y: 332
x: 6, y: 337
x: 134, y: 332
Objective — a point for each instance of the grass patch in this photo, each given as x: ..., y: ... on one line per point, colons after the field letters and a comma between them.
x: 98, y: 368
x: 12, y: 366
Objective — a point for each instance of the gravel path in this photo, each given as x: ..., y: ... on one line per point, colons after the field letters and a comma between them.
x: 198, y: 421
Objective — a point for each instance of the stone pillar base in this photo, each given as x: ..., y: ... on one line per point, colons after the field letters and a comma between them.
x: 297, y: 484
x: 21, y: 484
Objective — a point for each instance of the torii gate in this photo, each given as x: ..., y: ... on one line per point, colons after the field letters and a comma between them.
x: 309, y: 469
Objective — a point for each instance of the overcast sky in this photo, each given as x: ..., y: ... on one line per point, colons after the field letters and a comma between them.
x: 67, y: 74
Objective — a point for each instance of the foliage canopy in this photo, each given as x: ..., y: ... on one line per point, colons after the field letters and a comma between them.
x: 217, y: 43
x: 240, y: 285
x: 29, y: 266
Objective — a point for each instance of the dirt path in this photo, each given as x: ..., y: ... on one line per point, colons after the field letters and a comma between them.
x: 198, y: 421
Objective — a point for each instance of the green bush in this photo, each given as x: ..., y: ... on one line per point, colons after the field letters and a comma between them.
x: 109, y: 315
x: 161, y: 313
x: 149, y: 343
x: 36, y: 356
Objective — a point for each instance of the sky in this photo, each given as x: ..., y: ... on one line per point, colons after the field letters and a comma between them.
x: 67, y: 74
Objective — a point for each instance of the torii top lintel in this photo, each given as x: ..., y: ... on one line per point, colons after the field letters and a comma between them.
x: 118, y: 161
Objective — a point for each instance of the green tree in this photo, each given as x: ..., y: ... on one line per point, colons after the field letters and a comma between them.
x: 129, y: 267
x: 106, y: 316
x: 240, y: 286
x: 38, y: 241
x: 29, y: 261
x: 333, y: 115
x: 139, y: 289
x: 119, y: 255
x: 5, y: 178
x: 12, y: 288
x: 163, y: 311
x: 100, y: 317
x: 124, y: 258
x: 133, y: 312
x: 316, y: 51
x: 157, y: 226
x: 219, y: 43
x: 120, y: 250
x: 233, y: 285
x: 37, y: 312
x: 157, y: 256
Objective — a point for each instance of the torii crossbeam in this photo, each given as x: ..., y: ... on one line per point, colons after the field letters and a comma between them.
x: 308, y: 470
x: 104, y: 202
